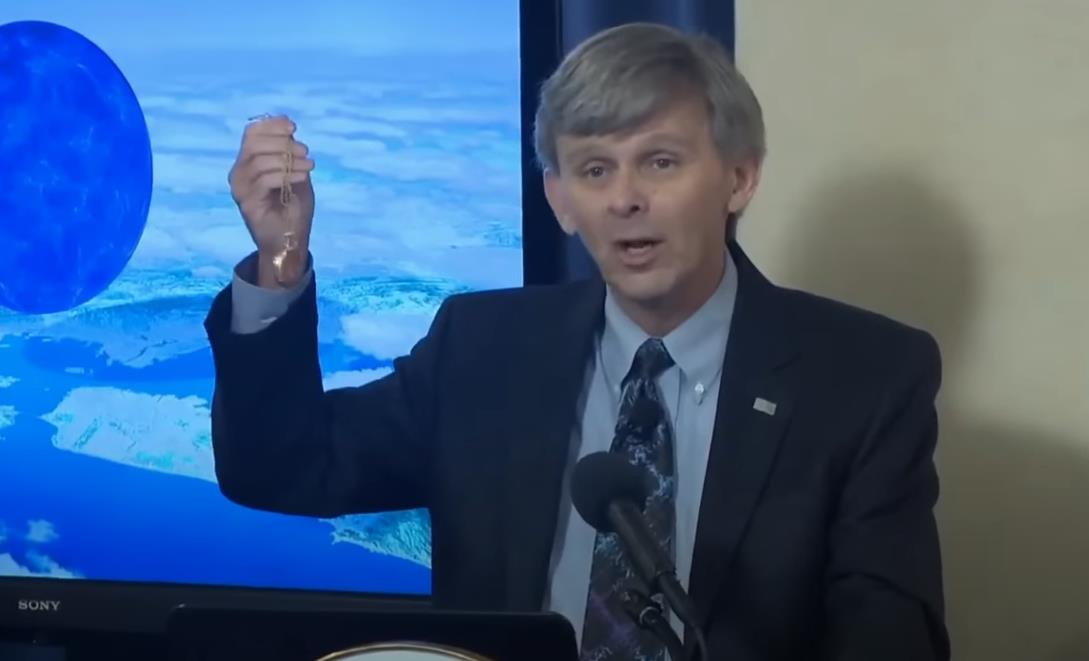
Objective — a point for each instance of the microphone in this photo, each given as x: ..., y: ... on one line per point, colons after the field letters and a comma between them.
x: 609, y: 493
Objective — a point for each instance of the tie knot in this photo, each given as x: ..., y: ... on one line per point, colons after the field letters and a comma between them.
x: 651, y: 359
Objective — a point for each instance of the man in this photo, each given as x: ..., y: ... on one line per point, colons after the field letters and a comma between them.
x: 792, y: 437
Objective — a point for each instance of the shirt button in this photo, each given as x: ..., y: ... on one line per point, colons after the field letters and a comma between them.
x: 700, y: 390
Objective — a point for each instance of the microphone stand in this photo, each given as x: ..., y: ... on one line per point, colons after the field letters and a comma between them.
x: 606, y: 491
x: 648, y: 615
x: 683, y: 607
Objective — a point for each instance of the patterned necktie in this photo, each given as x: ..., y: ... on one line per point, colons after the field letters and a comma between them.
x: 645, y: 437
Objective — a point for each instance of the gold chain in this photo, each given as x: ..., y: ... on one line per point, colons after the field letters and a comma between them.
x: 290, y: 240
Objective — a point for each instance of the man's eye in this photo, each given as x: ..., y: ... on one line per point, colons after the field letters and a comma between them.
x: 664, y: 163
x: 594, y: 172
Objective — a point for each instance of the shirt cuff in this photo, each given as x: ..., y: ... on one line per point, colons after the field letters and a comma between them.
x: 253, y: 308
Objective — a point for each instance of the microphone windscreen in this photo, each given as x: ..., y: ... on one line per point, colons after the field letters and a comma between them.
x: 603, y: 477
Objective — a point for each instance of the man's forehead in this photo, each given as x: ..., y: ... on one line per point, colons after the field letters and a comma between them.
x: 573, y: 143
x: 682, y: 124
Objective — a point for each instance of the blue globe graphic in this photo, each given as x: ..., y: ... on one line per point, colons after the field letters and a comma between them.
x: 76, y: 181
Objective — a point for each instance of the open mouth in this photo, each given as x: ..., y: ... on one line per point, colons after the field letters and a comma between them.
x: 637, y: 251
x: 638, y: 244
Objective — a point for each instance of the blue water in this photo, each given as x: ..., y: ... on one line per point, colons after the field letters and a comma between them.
x: 115, y: 522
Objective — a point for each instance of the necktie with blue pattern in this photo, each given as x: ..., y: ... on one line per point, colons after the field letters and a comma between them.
x: 644, y: 435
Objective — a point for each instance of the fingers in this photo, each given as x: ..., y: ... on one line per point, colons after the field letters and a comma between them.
x: 271, y: 135
x: 261, y: 165
x: 266, y: 144
x: 265, y: 163
x: 274, y: 181
x: 279, y: 126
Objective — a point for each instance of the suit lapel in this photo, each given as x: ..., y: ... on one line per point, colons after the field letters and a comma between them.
x: 557, y: 343
x: 754, y: 408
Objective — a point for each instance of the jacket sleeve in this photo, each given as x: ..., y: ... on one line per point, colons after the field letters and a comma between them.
x: 282, y: 443
x: 252, y: 307
x: 884, y: 597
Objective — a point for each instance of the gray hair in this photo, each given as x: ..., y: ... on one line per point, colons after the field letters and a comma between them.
x: 621, y: 77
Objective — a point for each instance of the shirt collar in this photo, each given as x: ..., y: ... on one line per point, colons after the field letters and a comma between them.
x: 698, y: 346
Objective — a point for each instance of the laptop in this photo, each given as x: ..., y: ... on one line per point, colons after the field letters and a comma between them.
x: 224, y: 634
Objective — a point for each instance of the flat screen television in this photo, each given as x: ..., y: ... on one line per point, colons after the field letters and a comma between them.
x: 119, y: 121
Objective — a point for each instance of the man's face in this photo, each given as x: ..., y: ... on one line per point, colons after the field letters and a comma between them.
x: 651, y: 205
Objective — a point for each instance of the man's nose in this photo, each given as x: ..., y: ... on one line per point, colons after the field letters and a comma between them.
x: 626, y: 195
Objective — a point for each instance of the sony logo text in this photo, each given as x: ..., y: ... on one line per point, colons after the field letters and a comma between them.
x: 39, y: 605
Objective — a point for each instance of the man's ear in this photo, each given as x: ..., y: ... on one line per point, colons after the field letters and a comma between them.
x: 746, y: 176
x: 557, y: 199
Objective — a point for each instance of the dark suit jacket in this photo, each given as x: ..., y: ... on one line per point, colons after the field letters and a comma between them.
x: 816, y: 535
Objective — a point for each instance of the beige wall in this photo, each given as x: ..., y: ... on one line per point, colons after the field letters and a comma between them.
x: 930, y: 160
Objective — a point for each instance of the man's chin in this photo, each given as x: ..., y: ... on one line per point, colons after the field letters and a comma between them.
x: 643, y: 289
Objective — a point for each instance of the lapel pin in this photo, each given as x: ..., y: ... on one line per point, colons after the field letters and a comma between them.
x: 764, y: 406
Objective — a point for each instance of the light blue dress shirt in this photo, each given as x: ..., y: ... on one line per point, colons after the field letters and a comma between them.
x: 691, y: 392
x: 690, y: 389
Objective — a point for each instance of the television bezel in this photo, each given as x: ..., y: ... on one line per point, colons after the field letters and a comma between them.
x: 90, y: 606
